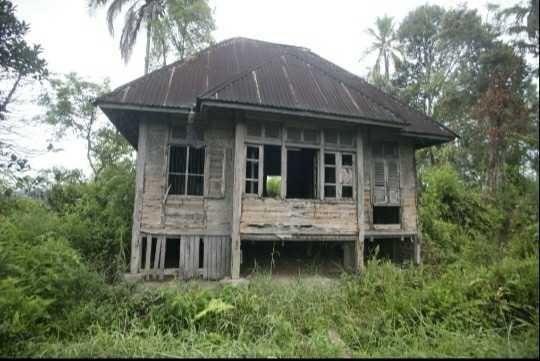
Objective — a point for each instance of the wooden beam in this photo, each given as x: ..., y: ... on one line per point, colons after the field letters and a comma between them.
x: 359, y: 244
x: 239, y: 172
x: 139, y: 191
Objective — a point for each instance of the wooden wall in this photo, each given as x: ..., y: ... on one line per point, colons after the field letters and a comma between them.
x: 297, y: 217
x: 187, y: 215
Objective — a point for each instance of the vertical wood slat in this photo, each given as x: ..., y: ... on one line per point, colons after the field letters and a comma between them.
x: 162, y: 257
x: 148, y: 255
x: 239, y: 175
x: 157, y: 254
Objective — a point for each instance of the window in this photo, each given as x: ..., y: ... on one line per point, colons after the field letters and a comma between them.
x: 344, y: 138
x: 299, y: 135
x: 330, y: 183
x: 338, y: 175
x: 186, y: 170
x: 252, y: 169
x: 385, y: 173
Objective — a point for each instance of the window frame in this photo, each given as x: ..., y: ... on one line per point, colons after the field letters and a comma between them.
x: 186, y: 174
x: 338, y: 166
x: 259, y: 162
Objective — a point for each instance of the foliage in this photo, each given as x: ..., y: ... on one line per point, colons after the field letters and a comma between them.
x: 184, y: 28
x: 18, y: 59
x: 19, y: 62
x: 180, y: 25
x: 384, y: 43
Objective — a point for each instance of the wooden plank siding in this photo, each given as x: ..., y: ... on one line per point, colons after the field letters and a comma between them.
x: 224, y: 216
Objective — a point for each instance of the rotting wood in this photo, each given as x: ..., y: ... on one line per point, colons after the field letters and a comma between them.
x: 138, y: 202
x: 239, y: 172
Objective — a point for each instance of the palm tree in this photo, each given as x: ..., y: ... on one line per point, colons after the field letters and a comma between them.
x: 139, y: 12
x: 385, y: 43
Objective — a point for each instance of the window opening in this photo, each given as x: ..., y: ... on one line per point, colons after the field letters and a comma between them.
x: 302, y: 173
x: 272, y: 171
x: 386, y: 215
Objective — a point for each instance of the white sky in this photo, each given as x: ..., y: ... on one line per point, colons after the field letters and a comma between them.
x: 75, y: 40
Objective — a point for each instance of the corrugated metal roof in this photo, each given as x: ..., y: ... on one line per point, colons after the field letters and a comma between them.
x: 252, y: 72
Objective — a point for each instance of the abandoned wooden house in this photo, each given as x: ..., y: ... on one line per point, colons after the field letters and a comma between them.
x: 249, y: 144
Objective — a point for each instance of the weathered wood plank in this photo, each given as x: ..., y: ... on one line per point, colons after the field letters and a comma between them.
x: 157, y: 254
x: 239, y: 172
x: 148, y: 255
x: 162, y: 257
x: 138, y: 202
x: 359, y: 244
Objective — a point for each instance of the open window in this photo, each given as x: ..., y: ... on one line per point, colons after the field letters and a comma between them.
x: 263, y: 170
x: 186, y: 170
x: 272, y: 171
x: 302, y: 173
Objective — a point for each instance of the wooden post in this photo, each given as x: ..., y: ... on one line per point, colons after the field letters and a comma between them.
x: 137, y: 206
x: 359, y: 244
x: 239, y: 172
x: 418, y: 238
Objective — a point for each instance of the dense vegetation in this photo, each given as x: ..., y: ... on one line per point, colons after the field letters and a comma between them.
x: 64, y: 241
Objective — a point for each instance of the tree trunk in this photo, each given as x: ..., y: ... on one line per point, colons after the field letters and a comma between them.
x: 148, y: 40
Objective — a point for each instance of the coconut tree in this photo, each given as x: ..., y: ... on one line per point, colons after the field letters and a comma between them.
x: 139, y: 12
x: 385, y: 44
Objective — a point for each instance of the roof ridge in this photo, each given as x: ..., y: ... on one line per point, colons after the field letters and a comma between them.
x: 179, y: 62
x: 227, y: 83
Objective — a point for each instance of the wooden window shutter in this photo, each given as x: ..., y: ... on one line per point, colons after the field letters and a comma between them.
x: 393, y: 181
x: 216, y: 172
x: 379, y: 183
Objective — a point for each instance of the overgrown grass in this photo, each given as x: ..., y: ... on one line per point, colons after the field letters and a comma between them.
x: 388, y: 311
x: 472, y: 298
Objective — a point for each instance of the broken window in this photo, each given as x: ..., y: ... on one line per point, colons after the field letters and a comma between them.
x: 338, y: 175
x: 186, y: 170
x: 299, y: 135
x: 302, y: 173
x: 386, y: 173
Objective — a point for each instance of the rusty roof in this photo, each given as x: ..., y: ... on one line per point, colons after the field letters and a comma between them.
x: 242, y: 71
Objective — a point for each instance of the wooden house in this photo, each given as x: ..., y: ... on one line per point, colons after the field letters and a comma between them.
x: 249, y: 142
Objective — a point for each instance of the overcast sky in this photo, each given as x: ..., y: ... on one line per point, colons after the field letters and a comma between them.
x: 74, y: 40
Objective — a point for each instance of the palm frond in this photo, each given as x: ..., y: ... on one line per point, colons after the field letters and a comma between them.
x: 133, y: 20
x: 114, y: 9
